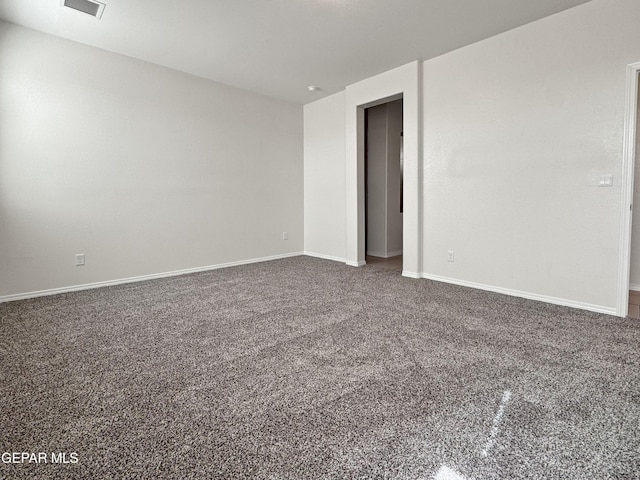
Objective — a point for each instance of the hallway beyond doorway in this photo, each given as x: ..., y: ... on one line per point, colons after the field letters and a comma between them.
x: 391, y: 263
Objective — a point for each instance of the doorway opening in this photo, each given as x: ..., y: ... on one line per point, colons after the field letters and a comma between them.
x: 383, y: 184
x: 402, y: 82
x: 634, y: 257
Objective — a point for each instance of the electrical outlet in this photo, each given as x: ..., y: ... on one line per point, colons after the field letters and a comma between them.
x: 451, y: 256
x: 285, y: 236
x: 79, y: 259
x: 605, y: 180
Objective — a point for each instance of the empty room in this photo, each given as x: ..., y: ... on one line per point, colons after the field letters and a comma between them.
x: 319, y: 239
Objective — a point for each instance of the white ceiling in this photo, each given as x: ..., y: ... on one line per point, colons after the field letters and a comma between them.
x: 279, y: 47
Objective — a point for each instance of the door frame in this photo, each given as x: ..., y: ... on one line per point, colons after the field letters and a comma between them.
x: 628, y: 168
x: 403, y: 82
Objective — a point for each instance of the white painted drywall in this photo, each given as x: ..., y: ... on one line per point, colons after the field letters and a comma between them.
x: 517, y: 129
x: 634, y: 272
x: 324, y: 178
x: 141, y: 168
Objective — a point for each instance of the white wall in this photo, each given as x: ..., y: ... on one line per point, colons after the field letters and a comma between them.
x: 143, y: 169
x: 324, y: 178
x: 516, y: 131
x: 634, y: 272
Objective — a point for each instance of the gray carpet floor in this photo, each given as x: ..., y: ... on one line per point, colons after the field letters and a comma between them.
x: 307, y: 369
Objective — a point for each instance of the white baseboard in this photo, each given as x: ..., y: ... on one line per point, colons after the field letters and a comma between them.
x: 411, y: 274
x: 335, y: 259
x: 634, y: 287
x: 355, y: 264
x: 438, y: 278
x: 325, y: 257
x: 141, y: 278
x: 517, y: 293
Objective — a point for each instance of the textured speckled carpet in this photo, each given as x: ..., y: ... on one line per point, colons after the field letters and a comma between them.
x: 305, y: 369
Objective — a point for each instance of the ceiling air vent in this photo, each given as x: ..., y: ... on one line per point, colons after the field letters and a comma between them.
x: 90, y: 7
